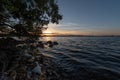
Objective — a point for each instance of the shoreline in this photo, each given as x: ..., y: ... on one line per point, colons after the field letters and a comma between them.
x: 16, y: 59
x: 52, y: 35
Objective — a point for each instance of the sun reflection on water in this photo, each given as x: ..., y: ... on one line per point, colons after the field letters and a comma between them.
x: 46, y: 38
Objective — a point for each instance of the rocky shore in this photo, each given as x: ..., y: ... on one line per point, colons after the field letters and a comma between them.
x: 24, y: 61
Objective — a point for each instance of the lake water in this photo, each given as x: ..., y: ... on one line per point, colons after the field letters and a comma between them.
x: 87, y: 58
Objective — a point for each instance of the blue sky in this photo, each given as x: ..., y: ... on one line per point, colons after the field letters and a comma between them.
x: 92, y: 17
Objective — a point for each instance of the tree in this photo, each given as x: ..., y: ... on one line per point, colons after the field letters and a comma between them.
x: 26, y: 16
x: 18, y: 62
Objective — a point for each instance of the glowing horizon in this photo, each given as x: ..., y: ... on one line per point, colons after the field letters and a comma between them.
x: 63, y: 29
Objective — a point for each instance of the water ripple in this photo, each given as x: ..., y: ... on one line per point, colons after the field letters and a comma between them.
x: 99, y: 55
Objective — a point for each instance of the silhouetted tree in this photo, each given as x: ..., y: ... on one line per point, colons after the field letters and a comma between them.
x: 19, y: 60
x: 28, y: 15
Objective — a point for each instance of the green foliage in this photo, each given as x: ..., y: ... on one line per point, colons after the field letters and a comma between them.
x: 30, y: 14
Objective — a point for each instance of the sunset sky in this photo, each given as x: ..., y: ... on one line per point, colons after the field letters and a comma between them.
x: 88, y: 17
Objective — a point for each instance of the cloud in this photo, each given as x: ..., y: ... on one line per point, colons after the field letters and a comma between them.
x: 67, y: 26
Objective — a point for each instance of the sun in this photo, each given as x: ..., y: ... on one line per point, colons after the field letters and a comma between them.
x: 47, y: 32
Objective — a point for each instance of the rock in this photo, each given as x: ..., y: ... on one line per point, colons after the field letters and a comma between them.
x: 37, y: 69
x: 29, y: 74
x: 27, y: 55
x: 55, y: 43
x: 12, y: 75
x: 50, y: 44
x: 40, y: 44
